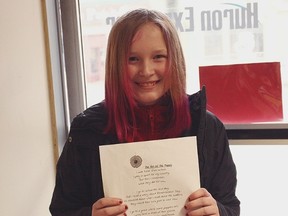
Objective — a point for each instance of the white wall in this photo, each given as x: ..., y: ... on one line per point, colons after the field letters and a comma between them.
x: 26, y: 150
x: 262, y: 176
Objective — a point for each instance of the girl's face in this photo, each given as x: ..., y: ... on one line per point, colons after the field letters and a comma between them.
x: 147, y: 64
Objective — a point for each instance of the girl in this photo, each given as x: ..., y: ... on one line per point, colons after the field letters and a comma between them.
x: 145, y: 99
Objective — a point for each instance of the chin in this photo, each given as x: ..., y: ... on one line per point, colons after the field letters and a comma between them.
x: 148, y: 101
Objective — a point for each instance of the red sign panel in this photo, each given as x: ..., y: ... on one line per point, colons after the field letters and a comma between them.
x: 244, y: 93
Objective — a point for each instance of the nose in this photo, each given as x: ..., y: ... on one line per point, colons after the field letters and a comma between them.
x: 147, y: 69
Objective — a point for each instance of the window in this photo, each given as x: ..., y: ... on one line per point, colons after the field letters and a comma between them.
x: 238, y: 42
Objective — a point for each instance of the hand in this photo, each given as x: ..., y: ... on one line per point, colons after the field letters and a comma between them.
x: 201, y: 203
x: 109, y: 207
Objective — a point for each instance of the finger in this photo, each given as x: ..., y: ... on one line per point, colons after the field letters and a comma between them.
x: 202, y: 192
x: 111, y: 211
x: 199, y: 203
x: 206, y: 210
x: 107, y: 202
x: 123, y: 214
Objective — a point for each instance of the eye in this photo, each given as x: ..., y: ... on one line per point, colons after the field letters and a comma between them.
x: 160, y: 57
x: 133, y: 59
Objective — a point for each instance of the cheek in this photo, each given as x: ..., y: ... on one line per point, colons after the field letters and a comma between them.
x: 164, y: 69
x: 131, y: 71
x: 164, y: 72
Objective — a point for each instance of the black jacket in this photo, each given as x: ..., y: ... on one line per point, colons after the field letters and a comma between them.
x: 78, y: 177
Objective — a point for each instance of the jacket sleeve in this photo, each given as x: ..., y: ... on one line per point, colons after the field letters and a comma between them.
x: 71, y: 196
x: 219, y: 172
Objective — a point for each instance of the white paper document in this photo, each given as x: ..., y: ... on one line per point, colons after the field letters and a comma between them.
x: 152, y: 177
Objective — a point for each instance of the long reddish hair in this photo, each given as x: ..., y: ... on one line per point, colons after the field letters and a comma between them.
x: 118, y: 94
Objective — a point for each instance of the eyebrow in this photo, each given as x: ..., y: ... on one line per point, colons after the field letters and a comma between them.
x: 153, y: 51
x: 160, y: 50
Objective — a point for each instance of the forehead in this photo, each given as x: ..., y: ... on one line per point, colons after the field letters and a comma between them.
x: 148, y: 30
x: 148, y: 37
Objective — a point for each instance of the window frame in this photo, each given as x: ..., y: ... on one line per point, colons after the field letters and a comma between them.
x: 56, y: 73
x: 72, y: 56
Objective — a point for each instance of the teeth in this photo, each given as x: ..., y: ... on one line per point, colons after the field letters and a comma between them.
x: 147, y: 84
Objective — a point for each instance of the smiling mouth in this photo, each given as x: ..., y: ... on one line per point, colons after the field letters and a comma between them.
x: 147, y: 84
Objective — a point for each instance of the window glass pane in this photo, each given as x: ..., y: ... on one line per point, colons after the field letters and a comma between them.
x: 250, y: 36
